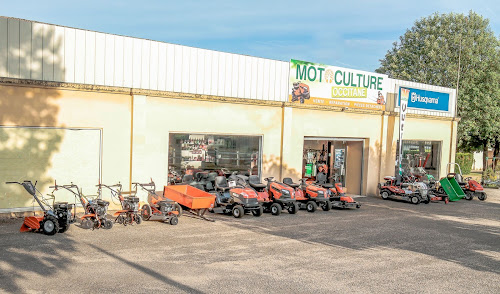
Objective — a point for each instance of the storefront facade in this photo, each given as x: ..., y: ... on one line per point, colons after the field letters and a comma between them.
x: 82, y: 107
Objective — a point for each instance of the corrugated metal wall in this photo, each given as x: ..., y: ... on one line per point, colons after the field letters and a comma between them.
x: 31, y: 50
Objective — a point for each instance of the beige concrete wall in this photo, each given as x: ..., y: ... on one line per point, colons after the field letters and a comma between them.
x: 300, y: 123
x: 155, y: 118
x: 68, y: 148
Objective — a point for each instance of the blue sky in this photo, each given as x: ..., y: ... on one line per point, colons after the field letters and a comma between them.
x: 354, y: 34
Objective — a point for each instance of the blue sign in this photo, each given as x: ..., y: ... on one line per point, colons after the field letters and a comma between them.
x: 429, y: 100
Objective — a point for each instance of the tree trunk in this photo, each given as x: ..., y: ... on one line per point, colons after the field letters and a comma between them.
x: 496, y: 154
x: 485, y: 156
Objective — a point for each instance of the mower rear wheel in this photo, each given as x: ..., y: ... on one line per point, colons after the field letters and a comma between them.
x: 385, y: 195
x: 482, y: 196
x: 50, y: 225
x: 469, y: 195
x: 276, y: 209
x: 174, y: 221
x: 178, y: 208
x: 415, y: 200
x: 238, y: 211
x: 292, y: 209
x: 146, y: 212
x: 311, y: 206
x: 107, y: 224
x: 326, y: 206
x: 258, y: 212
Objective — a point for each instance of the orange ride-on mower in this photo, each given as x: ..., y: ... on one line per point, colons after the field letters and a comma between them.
x: 338, y: 199
x: 129, y: 214
x: 310, y: 196
x: 56, y: 217
x: 96, y: 210
x: 158, y: 207
x: 235, y: 199
x: 274, y: 197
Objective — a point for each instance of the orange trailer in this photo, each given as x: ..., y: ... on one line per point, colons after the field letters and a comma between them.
x: 193, y: 200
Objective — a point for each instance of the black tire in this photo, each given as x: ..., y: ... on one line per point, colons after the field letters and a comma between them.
x: 311, y: 206
x: 384, y: 195
x: 276, y: 209
x: 482, y: 196
x: 87, y: 224
x: 49, y: 225
x: 138, y: 219
x: 178, y: 208
x: 469, y: 195
x: 326, y: 206
x: 64, y: 228
x: 107, y: 224
x: 146, y: 212
x: 415, y: 200
x: 358, y: 206
x: 258, y: 212
x: 238, y: 211
x: 174, y: 221
x: 294, y: 208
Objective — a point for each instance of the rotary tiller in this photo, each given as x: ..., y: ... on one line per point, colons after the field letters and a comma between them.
x: 158, y: 207
x: 129, y: 214
x: 56, y: 218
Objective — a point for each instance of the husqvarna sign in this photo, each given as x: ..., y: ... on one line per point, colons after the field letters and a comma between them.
x: 424, y: 99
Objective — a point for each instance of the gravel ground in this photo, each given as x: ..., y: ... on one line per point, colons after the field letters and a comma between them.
x: 384, y: 247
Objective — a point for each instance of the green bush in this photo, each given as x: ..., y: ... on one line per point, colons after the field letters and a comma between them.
x: 489, y: 174
x: 465, y: 160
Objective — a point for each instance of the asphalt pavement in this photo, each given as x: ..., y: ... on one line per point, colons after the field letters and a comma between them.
x: 384, y: 247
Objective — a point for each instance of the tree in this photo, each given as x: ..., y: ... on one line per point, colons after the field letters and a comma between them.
x: 455, y: 51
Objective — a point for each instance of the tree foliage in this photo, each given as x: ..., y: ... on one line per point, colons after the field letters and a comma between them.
x: 429, y: 53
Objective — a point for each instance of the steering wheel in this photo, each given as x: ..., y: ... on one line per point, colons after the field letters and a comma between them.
x: 269, y: 179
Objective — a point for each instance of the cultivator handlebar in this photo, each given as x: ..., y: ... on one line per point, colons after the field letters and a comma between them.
x: 31, y: 188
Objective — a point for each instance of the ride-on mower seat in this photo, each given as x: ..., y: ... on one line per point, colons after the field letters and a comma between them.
x: 221, y: 183
x: 289, y: 182
x: 187, y: 178
x: 321, y: 180
x: 254, y: 181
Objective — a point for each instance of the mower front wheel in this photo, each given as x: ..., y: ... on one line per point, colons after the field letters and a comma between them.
x: 415, y: 200
x: 276, y: 209
x: 146, y: 212
x: 311, y: 206
x: 174, y: 221
x: 292, y: 209
x: 326, y: 206
x: 385, y: 195
x: 258, y: 212
x: 238, y: 211
x: 482, y: 196
x: 50, y: 225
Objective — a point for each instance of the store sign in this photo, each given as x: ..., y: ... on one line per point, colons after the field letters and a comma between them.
x: 313, y: 83
x: 424, y: 99
x: 404, y: 95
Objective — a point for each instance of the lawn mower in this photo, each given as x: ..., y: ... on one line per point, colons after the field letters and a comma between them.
x: 56, y: 218
x: 338, y: 199
x: 389, y: 189
x: 274, y: 197
x: 469, y: 186
x: 158, y: 206
x: 309, y: 196
x: 129, y: 214
x: 235, y: 198
x: 96, y: 210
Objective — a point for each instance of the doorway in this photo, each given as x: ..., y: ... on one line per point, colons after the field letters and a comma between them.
x: 340, y: 158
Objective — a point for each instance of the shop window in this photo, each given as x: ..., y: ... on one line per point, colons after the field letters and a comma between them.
x: 420, y: 158
x: 214, y: 153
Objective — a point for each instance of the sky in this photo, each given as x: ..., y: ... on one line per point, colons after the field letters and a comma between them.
x: 354, y: 34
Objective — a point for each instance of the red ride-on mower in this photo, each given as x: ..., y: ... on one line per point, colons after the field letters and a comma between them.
x: 338, y: 198
x: 129, y: 214
x: 96, y: 210
x: 158, y: 206
x: 471, y: 187
x: 389, y: 189
x: 235, y: 199
x: 310, y: 196
x: 56, y: 217
x: 275, y: 196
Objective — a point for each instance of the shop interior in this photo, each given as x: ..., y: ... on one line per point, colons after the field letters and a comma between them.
x: 420, y: 158
x: 205, y: 152
x: 343, y: 159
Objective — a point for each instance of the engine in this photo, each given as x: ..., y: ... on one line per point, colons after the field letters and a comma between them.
x: 63, y: 212
x: 131, y: 203
x: 166, y: 206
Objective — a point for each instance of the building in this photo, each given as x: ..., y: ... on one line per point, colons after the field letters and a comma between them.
x: 82, y: 106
